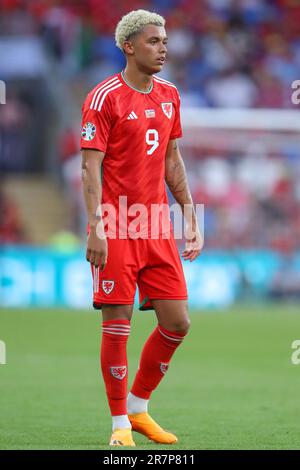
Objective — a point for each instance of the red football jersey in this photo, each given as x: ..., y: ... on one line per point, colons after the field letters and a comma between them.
x: 133, y: 129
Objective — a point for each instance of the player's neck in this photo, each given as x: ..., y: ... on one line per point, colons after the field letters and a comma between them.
x: 138, y: 80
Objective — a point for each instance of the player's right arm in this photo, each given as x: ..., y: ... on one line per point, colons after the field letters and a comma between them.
x: 96, y: 252
x: 96, y: 124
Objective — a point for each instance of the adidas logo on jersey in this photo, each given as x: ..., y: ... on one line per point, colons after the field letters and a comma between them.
x: 132, y: 115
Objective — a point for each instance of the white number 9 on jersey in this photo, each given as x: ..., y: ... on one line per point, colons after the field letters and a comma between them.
x: 152, y: 139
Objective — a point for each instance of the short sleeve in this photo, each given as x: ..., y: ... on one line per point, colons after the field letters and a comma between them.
x: 96, y: 125
x: 176, y: 129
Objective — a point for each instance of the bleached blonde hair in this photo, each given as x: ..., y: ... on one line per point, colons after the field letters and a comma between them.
x: 134, y: 22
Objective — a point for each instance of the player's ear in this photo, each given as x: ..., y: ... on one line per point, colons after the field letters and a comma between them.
x: 128, y: 47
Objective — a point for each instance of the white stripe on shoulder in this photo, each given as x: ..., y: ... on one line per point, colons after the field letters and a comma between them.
x: 162, y: 79
x: 164, y: 82
x: 106, y: 93
x: 103, y: 90
x: 110, y: 82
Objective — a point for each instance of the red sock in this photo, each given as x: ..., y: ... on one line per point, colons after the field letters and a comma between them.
x: 114, y: 364
x: 155, y: 359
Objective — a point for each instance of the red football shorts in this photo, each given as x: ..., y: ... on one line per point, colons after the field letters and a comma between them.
x: 153, y: 265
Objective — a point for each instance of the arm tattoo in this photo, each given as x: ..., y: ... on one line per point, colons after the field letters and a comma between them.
x: 177, y: 181
x: 91, y: 190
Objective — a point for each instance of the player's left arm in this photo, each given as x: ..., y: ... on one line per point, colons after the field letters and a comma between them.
x: 176, y: 179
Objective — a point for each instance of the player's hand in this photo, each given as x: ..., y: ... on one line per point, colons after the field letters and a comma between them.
x: 96, y: 252
x: 193, y: 246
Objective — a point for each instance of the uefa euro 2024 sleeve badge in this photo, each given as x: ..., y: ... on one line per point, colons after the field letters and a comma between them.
x: 88, y: 131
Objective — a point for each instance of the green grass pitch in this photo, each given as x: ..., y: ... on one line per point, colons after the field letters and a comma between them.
x: 231, y: 385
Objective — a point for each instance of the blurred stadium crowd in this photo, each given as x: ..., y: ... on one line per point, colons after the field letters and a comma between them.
x: 221, y: 53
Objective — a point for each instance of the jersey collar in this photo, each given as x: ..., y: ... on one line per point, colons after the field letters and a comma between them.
x: 136, y: 89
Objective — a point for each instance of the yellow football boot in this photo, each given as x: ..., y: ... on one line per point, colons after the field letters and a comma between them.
x: 122, y: 437
x: 144, y: 424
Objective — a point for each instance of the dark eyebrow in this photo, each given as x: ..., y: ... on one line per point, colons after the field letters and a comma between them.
x: 156, y: 37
